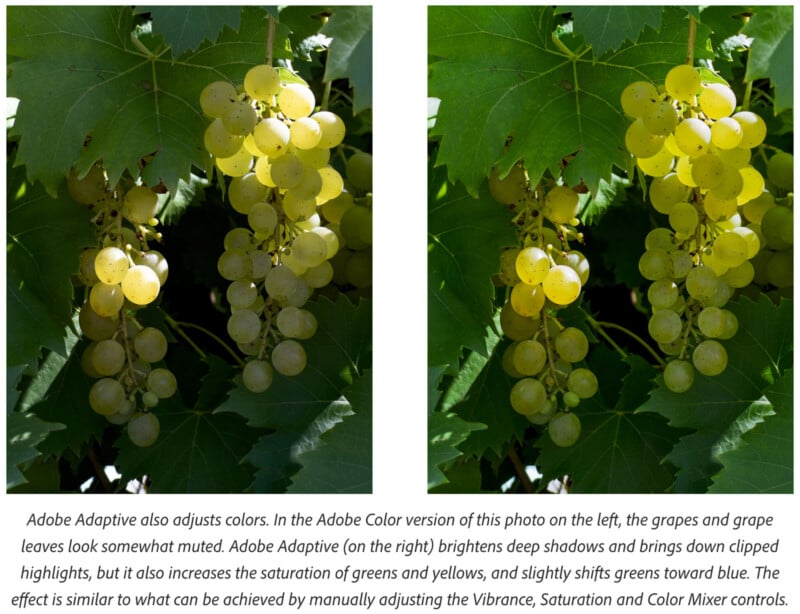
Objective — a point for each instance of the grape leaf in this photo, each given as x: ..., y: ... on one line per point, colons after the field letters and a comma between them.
x: 134, y: 104
x: 761, y: 348
x: 185, y: 27
x: 272, y: 456
x: 762, y: 459
x: 619, y: 451
x: 350, y: 52
x: 462, y: 477
x: 13, y: 379
x: 25, y: 432
x: 434, y: 394
x: 606, y: 27
x: 465, y: 237
x: 502, y: 75
x: 771, y: 54
x: 341, y: 460
x: 44, y: 239
x: 445, y: 432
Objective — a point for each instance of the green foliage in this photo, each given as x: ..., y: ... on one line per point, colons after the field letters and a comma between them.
x: 542, y: 86
x: 121, y: 85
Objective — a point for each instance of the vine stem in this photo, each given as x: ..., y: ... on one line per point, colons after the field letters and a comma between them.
x: 600, y: 326
x: 179, y: 326
x: 270, y: 40
x: 690, y: 43
x: 519, y: 467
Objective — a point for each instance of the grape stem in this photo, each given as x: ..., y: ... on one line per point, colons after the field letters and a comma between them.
x: 270, y: 40
x: 600, y: 326
x: 179, y: 326
x: 690, y: 43
x: 519, y: 468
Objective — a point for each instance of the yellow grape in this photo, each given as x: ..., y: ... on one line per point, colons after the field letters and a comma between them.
x: 562, y: 285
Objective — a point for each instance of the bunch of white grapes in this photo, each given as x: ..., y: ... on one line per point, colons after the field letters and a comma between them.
x: 122, y: 275
x: 689, y: 137
x: 268, y: 138
x: 544, y: 274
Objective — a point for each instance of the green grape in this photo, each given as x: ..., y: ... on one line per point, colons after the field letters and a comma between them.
x: 576, y: 261
x: 86, y: 263
x: 712, y: 260
x: 319, y: 276
x: 641, y: 142
x: 262, y: 218
x: 244, y: 326
x: 234, y: 264
x: 515, y: 326
x: 562, y: 204
x: 316, y: 158
x: 779, y: 269
x: 310, y: 184
x: 94, y: 326
x: 262, y: 171
x: 289, y: 358
x: 257, y: 375
x: 156, y: 261
x: 754, y: 130
x: 545, y: 413
x: 508, y: 266
x: 752, y: 184
x: 280, y: 283
x: 111, y: 265
x: 730, y: 186
x: 262, y: 82
x: 682, y: 263
x: 701, y: 283
x: 296, y: 208
x: 528, y: 396
x: 123, y: 415
x: 776, y: 226
x: 682, y: 82
x: 241, y: 294
x: 249, y: 144
x: 637, y: 98
x: 726, y: 133
x: 238, y: 238
x: 216, y: 97
x: 678, y: 375
x: 692, y: 136
x: 358, y: 170
x: 305, y: 133
x: 707, y: 171
x: 712, y: 322
x: 287, y: 171
x: 237, y: 165
x: 657, y: 165
x: 527, y: 300
x: 219, y: 142
x: 331, y: 240
x: 149, y: 399
x: 108, y: 357
x: 333, y: 129
x: 296, y: 100
x: 141, y: 285
x: 508, y: 362
x: 722, y: 295
x: 150, y: 344
x: 683, y: 218
x: 571, y: 399
x: 683, y: 169
x: 310, y: 249
x: 162, y: 382
x: 296, y: 323
x: 143, y: 429
x: 718, y: 208
x: 332, y: 184
x: 780, y: 170
x: 751, y: 239
x: 531, y: 265
x: 731, y: 249
x: 659, y: 238
x: 717, y: 100
x: 655, y: 264
x: 662, y: 293
x: 665, y: 326
x: 356, y: 227
x: 244, y: 192
x: 106, y: 299
x: 736, y: 157
x: 564, y: 429
x: 272, y: 136
x: 510, y: 188
x: 358, y: 269
x: 572, y: 345
x: 562, y: 285
x: 710, y: 357
x: 239, y: 118
x: 530, y: 357
x: 582, y: 382
x: 107, y: 396
x: 660, y: 118
x: 88, y: 189
x: 139, y: 204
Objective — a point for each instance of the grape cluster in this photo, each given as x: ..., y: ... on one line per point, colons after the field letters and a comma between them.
x: 122, y: 275
x: 544, y: 274
x: 690, y: 139
x: 267, y: 137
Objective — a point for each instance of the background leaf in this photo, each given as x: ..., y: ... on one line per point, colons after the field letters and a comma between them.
x: 445, y: 432
x: 771, y: 55
x: 25, y: 432
x: 185, y: 27
x: 605, y: 28
x: 350, y: 53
